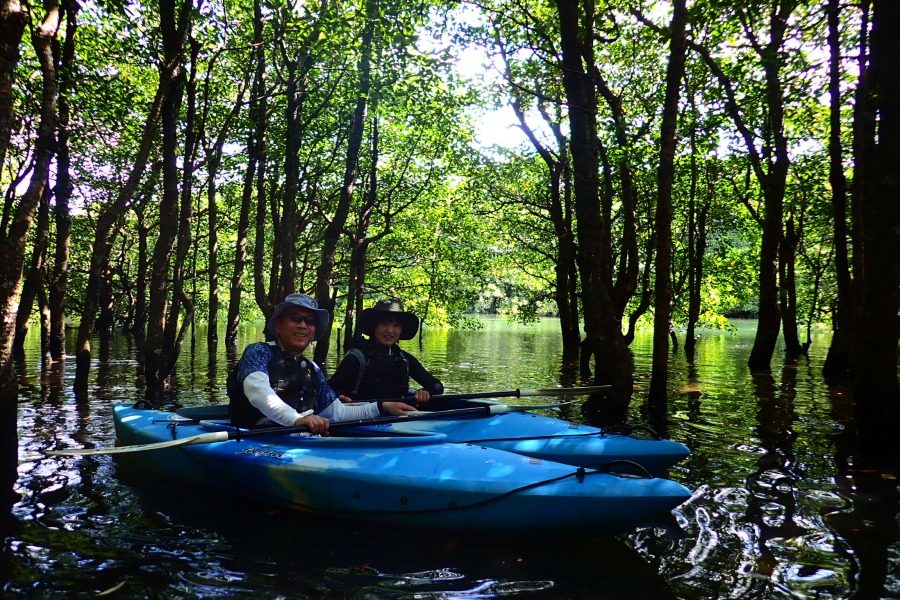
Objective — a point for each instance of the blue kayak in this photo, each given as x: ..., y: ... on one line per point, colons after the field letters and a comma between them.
x: 415, y: 479
x: 513, y: 429
x: 561, y: 441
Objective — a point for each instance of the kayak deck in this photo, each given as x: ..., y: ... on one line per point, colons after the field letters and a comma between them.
x: 524, y: 433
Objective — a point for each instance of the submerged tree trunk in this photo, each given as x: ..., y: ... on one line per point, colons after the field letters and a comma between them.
x: 875, y: 383
x: 696, y: 246
x: 770, y: 167
x: 666, y: 174
x: 560, y: 211
x: 13, y: 239
x: 838, y: 362
x: 255, y: 164
x: 360, y: 245
x: 773, y: 186
x: 58, y: 280
x: 214, y: 162
x: 788, y: 291
x: 354, y: 143
x: 769, y: 319
x: 612, y: 360
x: 154, y: 358
x: 102, y: 246
x: 34, y: 278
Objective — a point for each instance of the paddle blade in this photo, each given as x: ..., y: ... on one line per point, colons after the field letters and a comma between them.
x: 203, y: 438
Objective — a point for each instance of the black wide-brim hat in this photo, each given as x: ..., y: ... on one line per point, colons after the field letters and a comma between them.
x: 390, y: 308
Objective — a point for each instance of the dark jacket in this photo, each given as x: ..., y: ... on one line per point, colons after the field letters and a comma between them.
x: 292, y: 379
x: 372, y: 372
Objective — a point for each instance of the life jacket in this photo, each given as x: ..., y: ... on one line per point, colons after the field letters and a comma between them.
x: 381, y: 375
x: 293, y: 379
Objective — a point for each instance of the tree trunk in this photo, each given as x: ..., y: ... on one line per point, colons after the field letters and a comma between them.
x: 769, y: 320
x: 837, y: 365
x: 285, y: 265
x: 354, y: 143
x: 560, y: 211
x: 139, y: 322
x: 875, y: 384
x: 99, y: 269
x: 212, y: 224
x: 236, y: 285
x: 255, y: 163
x: 283, y: 272
x: 693, y: 266
x: 612, y: 360
x: 214, y: 162
x: 12, y: 25
x: 360, y: 245
x: 176, y: 324
x: 13, y: 240
x: 788, y: 291
x: 699, y: 257
x: 571, y: 324
x: 565, y: 269
x: 624, y: 283
x: 262, y: 292
x: 646, y: 296
x: 773, y: 185
x: 771, y: 168
x: 154, y: 359
x: 666, y: 174
x: 59, y: 277
x: 34, y: 279
x: 355, y: 283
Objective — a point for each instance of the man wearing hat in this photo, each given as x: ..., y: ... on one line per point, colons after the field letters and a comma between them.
x: 377, y: 368
x: 274, y: 384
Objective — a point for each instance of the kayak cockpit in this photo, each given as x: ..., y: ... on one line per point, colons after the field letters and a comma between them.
x: 215, y: 418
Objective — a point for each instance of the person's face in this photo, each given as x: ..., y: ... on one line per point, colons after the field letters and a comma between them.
x: 388, y: 331
x: 296, y: 328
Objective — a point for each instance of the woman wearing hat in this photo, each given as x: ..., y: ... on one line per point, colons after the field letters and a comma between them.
x: 275, y: 384
x: 378, y: 368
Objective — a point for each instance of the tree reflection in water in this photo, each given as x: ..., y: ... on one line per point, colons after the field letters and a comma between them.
x: 778, y: 508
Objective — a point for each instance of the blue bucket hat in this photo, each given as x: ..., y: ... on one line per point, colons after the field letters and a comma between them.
x: 323, y: 319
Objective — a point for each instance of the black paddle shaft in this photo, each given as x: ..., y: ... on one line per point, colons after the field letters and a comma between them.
x: 444, y: 414
x: 517, y: 393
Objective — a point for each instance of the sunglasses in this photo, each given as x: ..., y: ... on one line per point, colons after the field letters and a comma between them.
x: 310, y: 321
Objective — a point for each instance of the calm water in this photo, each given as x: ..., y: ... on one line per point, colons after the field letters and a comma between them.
x: 778, y: 510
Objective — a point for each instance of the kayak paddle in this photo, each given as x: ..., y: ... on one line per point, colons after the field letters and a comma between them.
x: 238, y: 434
x: 573, y: 391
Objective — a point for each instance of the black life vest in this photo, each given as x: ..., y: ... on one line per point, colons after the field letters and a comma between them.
x: 293, y: 379
x: 381, y: 375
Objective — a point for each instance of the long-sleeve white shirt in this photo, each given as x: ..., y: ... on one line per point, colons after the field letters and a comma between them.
x: 254, y: 372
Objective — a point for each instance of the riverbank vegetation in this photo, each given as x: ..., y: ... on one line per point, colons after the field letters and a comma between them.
x: 167, y: 163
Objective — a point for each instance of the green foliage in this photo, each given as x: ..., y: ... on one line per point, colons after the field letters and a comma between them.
x: 455, y: 227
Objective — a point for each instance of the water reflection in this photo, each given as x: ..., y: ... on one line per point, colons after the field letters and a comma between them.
x: 778, y: 509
